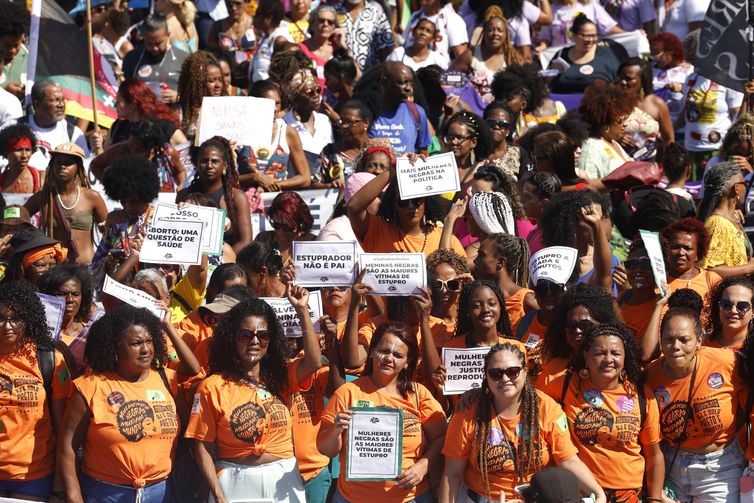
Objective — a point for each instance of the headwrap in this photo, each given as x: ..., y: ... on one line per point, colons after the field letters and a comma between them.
x: 492, y: 213
x: 16, y: 143
x: 57, y: 251
x: 371, y: 146
x: 298, y: 83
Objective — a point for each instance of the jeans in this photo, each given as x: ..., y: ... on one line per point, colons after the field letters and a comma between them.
x: 419, y: 498
x: 39, y: 488
x: 706, y: 478
x: 98, y: 491
x: 317, y: 488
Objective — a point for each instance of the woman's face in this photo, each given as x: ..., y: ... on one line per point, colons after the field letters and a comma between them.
x: 679, y: 342
x: 332, y: 82
x: 586, y: 39
x: 616, y: 130
x: 38, y: 268
x: 460, y: 140
x: 389, y: 357
x: 325, y: 26
x: 630, y: 79
x: 486, y: 262
x: 500, y: 364
x: 283, y: 231
x: 516, y: 101
x: 683, y: 253
x: 12, y: 330
x: 448, y: 288
x: 274, y: 96
x: 494, y: 34
x: 352, y: 125
x: 64, y: 167
x: 20, y: 156
x: 639, y: 270
x: 497, y: 119
x: 577, y: 321
x: 252, y: 340
x: 604, y: 358
x: 135, y: 351
x: 123, y: 108
x: 739, y: 188
x: 484, y: 309
x: 211, y: 164
x: 235, y: 9
x: 424, y: 33
x: 410, y: 212
x: 531, y: 201
x: 376, y: 163
x: 663, y: 59
x: 735, y: 308
x: 336, y: 297
x: 309, y: 97
x: 226, y: 71
x: 481, y: 186
x: 299, y: 8
x: 133, y: 206
x: 71, y: 292
x: 215, y: 83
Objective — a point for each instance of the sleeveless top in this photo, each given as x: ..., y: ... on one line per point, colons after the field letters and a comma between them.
x: 271, y: 160
x: 482, y: 75
x: 645, y: 131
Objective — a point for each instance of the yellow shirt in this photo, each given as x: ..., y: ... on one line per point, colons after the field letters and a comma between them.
x: 193, y: 299
x: 727, y: 243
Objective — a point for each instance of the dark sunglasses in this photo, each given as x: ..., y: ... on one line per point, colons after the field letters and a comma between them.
x: 511, y: 373
x: 639, y: 263
x: 402, y: 203
x: 316, y: 91
x: 246, y: 336
x: 741, y: 306
x: 451, y: 285
x: 548, y: 289
x: 498, y: 124
x: 583, y: 325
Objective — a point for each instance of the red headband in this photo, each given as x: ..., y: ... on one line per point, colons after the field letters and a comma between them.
x: 378, y: 148
x: 16, y: 143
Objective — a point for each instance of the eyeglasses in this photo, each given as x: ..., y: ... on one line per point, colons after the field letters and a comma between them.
x: 546, y: 288
x: 327, y: 21
x: 639, y: 263
x: 511, y: 373
x: 588, y: 36
x: 15, y: 321
x: 583, y: 325
x: 402, y: 203
x: 655, y: 57
x: 247, y: 336
x: 498, y: 124
x: 348, y: 123
x: 451, y: 285
x: 454, y: 138
x: 314, y: 91
x: 741, y: 306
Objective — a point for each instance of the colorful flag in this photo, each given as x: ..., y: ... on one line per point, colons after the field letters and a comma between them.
x: 58, y: 51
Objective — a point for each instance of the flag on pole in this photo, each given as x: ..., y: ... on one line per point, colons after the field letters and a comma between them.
x: 723, y: 52
x: 58, y: 51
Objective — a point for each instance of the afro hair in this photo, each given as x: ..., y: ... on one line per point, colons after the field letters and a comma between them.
x: 131, y: 176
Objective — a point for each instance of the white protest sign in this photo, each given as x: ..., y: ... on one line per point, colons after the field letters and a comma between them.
x: 654, y: 250
x: 288, y: 317
x: 394, y: 273
x: 375, y: 444
x: 131, y: 296
x: 54, y: 311
x: 555, y: 263
x: 245, y: 119
x: 173, y: 242
x: 324, y: 263
x: 437, y: 175
x: 465, y: 368
x: 213, y: 220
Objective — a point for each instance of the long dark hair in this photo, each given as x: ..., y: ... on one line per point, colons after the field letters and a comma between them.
x: 399, y: 330
x: 631, y: 350
x: 714, y: 325
x: 463, y: 323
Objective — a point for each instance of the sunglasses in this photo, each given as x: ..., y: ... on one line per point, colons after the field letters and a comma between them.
x: 451, y: 285
x: 511, y: 373
x: 639, y: 263
x: 583, y: 325
x: 498, y: 124
x: 315, y: 91
x: 247, y: 336
x: 741, y: 306
x: 549, y: 289
x: 403, y: 203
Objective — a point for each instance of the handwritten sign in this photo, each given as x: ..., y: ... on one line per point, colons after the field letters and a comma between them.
x: 173, y: 242
x: 54, y: 311
x: 288, y: 317
x: 375, y: 444
x: 324, y: 263
x: 555, y: 263
x: 394, y: 273
x: 654, y: 250
x: 131, y: 296
x: 213, y: 220
x: 437, y: 175
x: 245, y: 119
x: 465, y: 368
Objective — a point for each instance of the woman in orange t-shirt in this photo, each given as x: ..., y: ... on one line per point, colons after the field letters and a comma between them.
x: 124, y: 412
x: 688, y: 242
x: 387, y: 383
x: 240, y: 409
x: 447, y: 272
x: 29, y: 414
x: 730, y: 313
x: 614, y: 424
x: 697, y: 393
x: 492, y: 429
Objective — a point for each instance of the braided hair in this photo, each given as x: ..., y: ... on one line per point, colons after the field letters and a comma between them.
x: 192, y: 85
x: 464, y: 326
x: 718, y: 182
x: 631, y: 351
x: 492, y: 212
x: 528, y: 451
x: 479, y: 130
x: 516, y: 251
x: 545, y: 184
x: 50, y: 190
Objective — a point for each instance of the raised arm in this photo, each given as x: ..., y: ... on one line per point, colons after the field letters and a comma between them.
x: 299, y: 299
x: 357, y: 206
x: 354, y: 354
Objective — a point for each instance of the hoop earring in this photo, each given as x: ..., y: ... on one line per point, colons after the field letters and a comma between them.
x: 584, y: 373
x: 623, y: 376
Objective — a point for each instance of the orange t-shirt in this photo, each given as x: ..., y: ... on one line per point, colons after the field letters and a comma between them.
x: 307, y: 405
x: 26, y: 432
x: 241, y: 419
x: 702, y: 283
x: 713, y: 399
x: 636, y: 318
x: 555, y: 441
x: 417, y: 410
x: 606, y: 428
x: 194, y: 330
x: 713, y: 343
x: 533, y: 338
x: 515, y: 306
x: 134, y: 427
x: 460, y: 342
x: 551, y: 371
x: 384, y: 237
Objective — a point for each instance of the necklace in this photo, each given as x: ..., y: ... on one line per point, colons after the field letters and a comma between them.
x: 402, y: 242
x: 60, y: 199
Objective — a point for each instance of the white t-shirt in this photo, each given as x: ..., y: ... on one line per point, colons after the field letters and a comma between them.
x: 451, y: 29
x: 10, y: 108
x: 682, y: 13
x: 260, y: 65
x: 676, y: 75
x: 435, y: 58
x: 707, y: 112
x: 559, y: 32
x: 518, y: 26
x: 313, y: 143
x: 49, y: 138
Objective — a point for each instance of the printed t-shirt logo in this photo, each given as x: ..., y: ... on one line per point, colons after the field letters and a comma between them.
x: 155, y: 395
x: 500, y: 452
x: 248, y: 422
x: 115, y: 400
x: 594, y: 398
x: 672, y: 420
x: 135, y: 420
x: 591, y: 422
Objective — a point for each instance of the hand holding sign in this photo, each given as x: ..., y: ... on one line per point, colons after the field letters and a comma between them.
x: 435, y: 175
x: 394, y: 273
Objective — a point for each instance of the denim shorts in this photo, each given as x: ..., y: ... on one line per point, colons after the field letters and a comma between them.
x: 39, y: 488
x: 99, y: 491
x: 706, y: 478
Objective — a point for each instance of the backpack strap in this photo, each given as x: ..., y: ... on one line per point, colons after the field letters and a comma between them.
x: 417, y: 120
x: 642, y: 402
x: 164, y: 377
x: 524, y: 324
x: 566, y: 382
x: 46, y: 362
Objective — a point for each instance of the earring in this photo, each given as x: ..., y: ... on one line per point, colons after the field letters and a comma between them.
x: 472, y: 158
x: 623, y: 376
x: 584, y: 373
x: 224, y: 171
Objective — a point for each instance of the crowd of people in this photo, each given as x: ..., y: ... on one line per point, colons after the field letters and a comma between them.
x: 614, y: 383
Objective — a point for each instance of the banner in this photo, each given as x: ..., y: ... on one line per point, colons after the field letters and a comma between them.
x: 213, y: 222
x: 465, y: 369
x: 324, y: 263
x: 245, y: 119
x: 288, y: 317
x: 375, y: 444
x: 437, y: 175
x: 394, y: 273
x: 723, y: 51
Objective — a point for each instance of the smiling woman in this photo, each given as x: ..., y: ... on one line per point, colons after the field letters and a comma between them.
x: 730, y: 313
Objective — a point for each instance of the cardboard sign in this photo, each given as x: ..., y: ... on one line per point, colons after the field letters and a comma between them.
x: 173, y: 242
x: 213, y: 220
x: 437, y: 175
x: 131, y: 296
x: 394, y: 273
x: 654, y: 250
x: 465, y: 368
x: 375, y: 444
x: 288, y: 317
x: 244, y: 119
x: 555, y: 263
x: 324, y: 263
x: 54, y: 311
